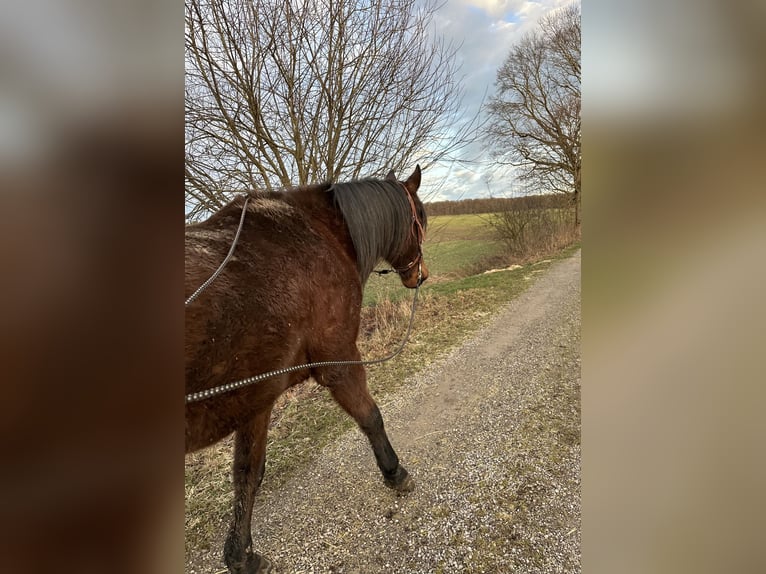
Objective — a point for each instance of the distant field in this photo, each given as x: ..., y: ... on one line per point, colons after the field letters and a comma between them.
x: 455, y: 245
x: 459, y: 227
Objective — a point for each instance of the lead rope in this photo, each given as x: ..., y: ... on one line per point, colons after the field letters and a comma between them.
x: 217, y: 272
x: 215, y: 391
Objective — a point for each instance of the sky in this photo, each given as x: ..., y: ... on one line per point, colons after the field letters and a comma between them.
x: 60, y: 73
x: 485, y: 30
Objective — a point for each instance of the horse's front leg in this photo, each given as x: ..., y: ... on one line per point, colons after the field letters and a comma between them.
x: 248, y: 469
x: 348, y: 386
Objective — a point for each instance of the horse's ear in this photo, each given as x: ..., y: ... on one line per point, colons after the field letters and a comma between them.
x: 391, y: 175
x: 413, y: 182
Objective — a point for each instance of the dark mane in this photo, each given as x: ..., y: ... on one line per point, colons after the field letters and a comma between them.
x: 379, y: 219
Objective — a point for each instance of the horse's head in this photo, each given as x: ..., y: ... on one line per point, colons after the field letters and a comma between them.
x: 409, y: 262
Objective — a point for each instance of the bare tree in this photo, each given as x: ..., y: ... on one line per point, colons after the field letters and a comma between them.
x: 282, y: 92
x: 535, y: 114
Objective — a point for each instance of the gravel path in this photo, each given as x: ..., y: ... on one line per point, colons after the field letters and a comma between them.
x: 491, y: 435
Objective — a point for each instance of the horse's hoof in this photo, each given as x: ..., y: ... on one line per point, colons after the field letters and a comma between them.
x: 402, y: 482
x: 254, y: 564
x: 407, y: 485
x: 257, y: 564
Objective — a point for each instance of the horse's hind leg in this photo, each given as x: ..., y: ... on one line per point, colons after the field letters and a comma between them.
x: 348, y: 386
x: 249, y: 465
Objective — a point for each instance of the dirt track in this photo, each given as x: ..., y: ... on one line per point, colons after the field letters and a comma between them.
x: 491, y: 435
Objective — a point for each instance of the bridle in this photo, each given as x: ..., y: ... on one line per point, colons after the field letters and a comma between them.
x: 419, y: 233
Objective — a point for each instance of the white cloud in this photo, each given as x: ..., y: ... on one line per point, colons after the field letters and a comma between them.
x: 499, y: 8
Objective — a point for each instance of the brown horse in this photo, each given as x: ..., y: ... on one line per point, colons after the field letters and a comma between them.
x: 291, y: 294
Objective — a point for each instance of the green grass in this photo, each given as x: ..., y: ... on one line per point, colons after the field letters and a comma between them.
x: 449, y: 258
x: 459, y: 227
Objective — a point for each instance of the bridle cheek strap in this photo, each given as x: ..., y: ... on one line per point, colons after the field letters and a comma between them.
x: 418, y: 232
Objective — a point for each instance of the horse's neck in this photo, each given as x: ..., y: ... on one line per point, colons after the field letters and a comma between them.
x: 318, y: 204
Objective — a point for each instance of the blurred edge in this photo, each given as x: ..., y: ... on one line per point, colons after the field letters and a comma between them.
x: 91, y: 177
x: 674, y: 233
